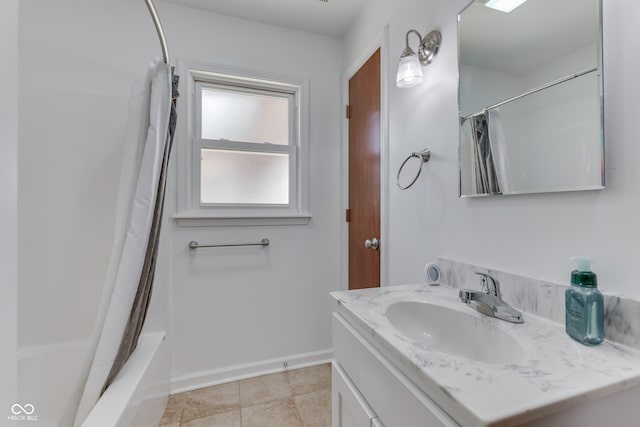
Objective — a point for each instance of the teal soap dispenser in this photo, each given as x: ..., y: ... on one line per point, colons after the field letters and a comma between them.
x: 584, y: 305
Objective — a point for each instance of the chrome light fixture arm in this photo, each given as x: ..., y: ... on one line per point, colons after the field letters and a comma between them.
x: 428, y: 47
x: 407, y: 49
x: 410, y: 67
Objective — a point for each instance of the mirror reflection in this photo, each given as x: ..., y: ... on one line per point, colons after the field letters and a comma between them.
x: 530, y: 97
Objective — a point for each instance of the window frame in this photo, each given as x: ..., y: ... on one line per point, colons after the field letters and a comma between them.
x: 291, y: 148
x: 191, y: 212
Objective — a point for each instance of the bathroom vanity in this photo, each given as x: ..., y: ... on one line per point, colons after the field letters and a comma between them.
x: 415, y: 355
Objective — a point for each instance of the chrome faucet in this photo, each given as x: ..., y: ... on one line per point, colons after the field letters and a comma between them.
x: 489, y: 301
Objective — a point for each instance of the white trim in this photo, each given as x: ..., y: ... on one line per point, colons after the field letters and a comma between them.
x: 196, y: 220
x: 385, y: 74
x: 9, y: 206
x: 190, y: 215
x: 212, y: 377
x: 380, y: 41
x: 207, y: 79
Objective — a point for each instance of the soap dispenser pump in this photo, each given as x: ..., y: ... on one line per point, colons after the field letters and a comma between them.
x: 584, y: 305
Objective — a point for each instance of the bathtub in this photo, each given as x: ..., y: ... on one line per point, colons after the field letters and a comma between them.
x: 137, y: 396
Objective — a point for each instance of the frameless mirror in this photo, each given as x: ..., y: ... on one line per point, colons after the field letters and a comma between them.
x: 530, y: 96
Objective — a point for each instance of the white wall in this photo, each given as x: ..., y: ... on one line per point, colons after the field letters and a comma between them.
x: 545, y: 129
x: 8, y: 203
x: 259, y: 306
x: 489, y: 87
x: 78, y: 61
x: 537, y: 125
x: 532, y: 234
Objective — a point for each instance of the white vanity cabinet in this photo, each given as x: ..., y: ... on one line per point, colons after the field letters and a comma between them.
x: 372, y: 385
x: 350, y: 409
x: 367, y: 390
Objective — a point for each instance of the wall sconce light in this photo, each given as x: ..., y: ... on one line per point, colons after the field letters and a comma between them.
x: 410, y: 67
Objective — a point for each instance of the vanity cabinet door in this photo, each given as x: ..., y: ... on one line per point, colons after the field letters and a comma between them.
x: 396, y: 400
x: 349, y: 407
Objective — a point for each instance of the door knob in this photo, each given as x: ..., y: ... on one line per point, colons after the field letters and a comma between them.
x: 372, y: 244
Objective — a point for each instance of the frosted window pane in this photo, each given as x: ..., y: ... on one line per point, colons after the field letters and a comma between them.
x: 241, y: 177
x: 245, y: 117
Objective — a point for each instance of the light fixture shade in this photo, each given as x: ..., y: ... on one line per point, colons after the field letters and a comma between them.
x: 409, y: 71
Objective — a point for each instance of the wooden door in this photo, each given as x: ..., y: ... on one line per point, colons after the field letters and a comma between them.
x: 364, y: 175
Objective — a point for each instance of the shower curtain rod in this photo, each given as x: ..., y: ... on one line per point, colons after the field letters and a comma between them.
x: 532, y: 91
x: 156, y: 22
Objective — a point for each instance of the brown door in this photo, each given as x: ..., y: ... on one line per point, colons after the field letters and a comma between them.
x: 364, y: 175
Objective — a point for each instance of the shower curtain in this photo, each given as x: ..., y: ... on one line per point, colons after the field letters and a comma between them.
x: 499, y: 151
x: 127, y: 288
x: 485, y: 178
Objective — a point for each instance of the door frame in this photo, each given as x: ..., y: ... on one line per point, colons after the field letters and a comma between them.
x: 380, y: 41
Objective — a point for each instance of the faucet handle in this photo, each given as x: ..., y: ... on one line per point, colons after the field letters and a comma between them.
x: 490, y: 284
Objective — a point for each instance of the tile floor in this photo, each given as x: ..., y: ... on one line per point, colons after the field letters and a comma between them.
x: 296, y: 398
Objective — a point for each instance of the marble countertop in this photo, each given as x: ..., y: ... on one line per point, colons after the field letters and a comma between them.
x: 556, y: 373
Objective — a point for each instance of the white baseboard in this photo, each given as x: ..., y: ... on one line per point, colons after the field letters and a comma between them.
x: 227, y: 374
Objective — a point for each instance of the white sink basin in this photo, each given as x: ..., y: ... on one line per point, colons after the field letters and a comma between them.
x: 454, y: 332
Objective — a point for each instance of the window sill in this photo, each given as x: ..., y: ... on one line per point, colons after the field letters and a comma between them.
x: 202, y: 220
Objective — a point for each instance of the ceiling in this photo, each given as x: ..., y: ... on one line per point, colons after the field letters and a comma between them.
x: 331, y: 17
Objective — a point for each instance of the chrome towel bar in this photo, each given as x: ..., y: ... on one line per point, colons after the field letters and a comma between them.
x: 195, y: 245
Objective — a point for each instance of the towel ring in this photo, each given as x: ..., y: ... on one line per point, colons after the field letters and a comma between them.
x: 423, y: 155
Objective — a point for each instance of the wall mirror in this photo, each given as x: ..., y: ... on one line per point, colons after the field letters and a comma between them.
x: 530, y: 96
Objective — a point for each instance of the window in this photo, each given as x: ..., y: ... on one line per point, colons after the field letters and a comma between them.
x: 246, y: 149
